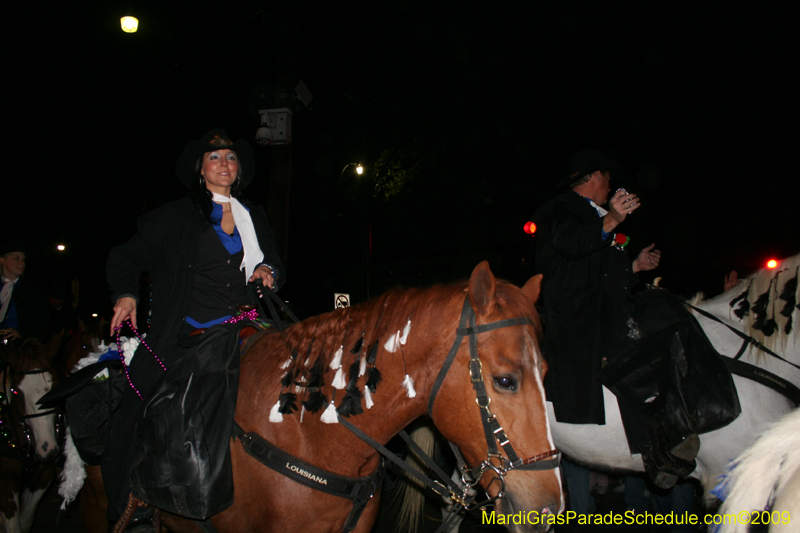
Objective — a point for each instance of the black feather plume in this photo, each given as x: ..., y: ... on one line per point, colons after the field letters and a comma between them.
x: 288, y: 403
x: 359, y: 343
x: 316, y: 400
x: 373, y: 353
x: 315, y: 375
x: 288, y: 378
x: 351, y: 403
x: 352, y: 377
x: 744, y: 306
x: 373, y: 378
x: 760, y: 309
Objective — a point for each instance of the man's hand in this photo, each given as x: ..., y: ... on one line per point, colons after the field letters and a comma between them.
x: 124, y: 309
x: 622, y: 204
x: 648, y: 259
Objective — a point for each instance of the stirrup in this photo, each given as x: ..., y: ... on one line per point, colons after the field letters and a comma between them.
x: 133, y: 504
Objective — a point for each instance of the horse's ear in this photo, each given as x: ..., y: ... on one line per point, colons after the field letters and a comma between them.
x: 533, y: 288
x: 482, y: 288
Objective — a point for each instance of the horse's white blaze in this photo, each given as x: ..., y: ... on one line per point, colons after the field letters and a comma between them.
x: 43, y: 428
x: 556, y: 471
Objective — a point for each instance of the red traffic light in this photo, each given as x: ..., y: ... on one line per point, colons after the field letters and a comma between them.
x: 530, y: 228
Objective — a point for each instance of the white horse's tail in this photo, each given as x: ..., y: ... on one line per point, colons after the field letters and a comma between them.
x: 413, y: 492
x: 767, y: 473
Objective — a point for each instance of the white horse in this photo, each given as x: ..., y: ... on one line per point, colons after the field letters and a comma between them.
x: 27, y: 465
x: 606, y: 445
x: 764, y: 485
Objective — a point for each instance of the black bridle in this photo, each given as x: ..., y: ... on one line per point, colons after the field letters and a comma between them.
x: 493, y: 431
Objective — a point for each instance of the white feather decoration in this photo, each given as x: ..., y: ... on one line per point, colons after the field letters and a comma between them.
x: 73, y: 474
x: 286, y: 364
x: 408, y: 383
x: 338, y: 380
x: 406, y: 330
x: 337, y: 358
x: 329, y: 416
x: 393, y: 342
x: 302, y: 412
x: 362, y: 367
x: 368, y: 398
x: 275, y: 415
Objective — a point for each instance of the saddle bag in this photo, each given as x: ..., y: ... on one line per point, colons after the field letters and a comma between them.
x: 182, y: 461
x: 672, y: 372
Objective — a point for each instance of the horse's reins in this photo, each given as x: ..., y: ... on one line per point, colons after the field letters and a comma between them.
x: 746, y: 370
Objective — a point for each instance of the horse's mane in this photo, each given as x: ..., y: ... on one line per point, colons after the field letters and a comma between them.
x: 361, y: 331
x: 766, y: 302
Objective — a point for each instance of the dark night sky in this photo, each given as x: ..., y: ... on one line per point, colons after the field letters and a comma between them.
x: 485, y: 102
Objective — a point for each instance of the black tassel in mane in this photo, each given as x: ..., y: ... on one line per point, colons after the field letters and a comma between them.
x: 315, y: 375
x: 316, y: 400
x: 352, y: 377
x: 359, y: 343
x: 288, y: 378
x: 351, y: 403
x: 744, y: 307
x: 788, y: 296
x: 760, y: 310
x: 288, y: 403
x: 373, y: 378
x: 373, y: 353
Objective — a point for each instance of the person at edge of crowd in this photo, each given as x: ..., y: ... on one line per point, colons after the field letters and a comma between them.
x: 587, y: 279
x: 201, y: 252
x: 24, y: 313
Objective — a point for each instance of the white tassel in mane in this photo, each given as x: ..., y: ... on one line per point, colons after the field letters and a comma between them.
x: 393, y: 342
x: 275, y: 415
x: 329, y: 416
x: 73, y: 474
x: 406, y: 330
x: 362, y: 367
x: 286, y: 364
x: 337, y: 358
x: 302, y: 412
x: 408, y: 383
x: 338, y: 380
x: 368, y: 398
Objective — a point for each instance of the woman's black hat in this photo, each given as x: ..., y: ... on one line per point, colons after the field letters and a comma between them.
x: 215, y: 139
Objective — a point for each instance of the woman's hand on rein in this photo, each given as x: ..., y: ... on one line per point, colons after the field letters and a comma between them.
x: 264, y: 273
x: 124, y: 309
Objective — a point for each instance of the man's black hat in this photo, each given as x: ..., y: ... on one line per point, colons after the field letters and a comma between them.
x: 215, y: 139
x: 586, y: 162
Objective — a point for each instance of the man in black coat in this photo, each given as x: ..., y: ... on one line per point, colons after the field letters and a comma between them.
x: 587, y: 279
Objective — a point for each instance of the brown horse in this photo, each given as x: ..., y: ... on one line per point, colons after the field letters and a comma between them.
x: 28, y: 432
x: 511, y: 366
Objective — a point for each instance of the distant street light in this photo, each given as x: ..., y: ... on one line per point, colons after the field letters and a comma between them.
x: 359, y: 170
x: 61, y: 247
x: 129, y: 24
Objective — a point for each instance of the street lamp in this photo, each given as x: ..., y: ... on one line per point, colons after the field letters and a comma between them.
x: 129, y: 24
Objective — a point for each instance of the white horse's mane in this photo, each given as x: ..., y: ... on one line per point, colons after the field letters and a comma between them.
x: 755, y: 285
x: 764, y: 467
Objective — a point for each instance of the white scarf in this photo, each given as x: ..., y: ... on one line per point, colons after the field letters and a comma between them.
x: 5, y: 296
x: 253, y: 255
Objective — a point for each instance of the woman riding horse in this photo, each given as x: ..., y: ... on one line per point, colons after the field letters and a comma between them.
x: 200, y: 252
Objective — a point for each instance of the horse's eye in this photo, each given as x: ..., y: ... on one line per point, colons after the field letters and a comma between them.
x: 506, y: 383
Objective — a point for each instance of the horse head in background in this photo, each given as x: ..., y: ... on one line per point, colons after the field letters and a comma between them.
x: 29, y: 435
